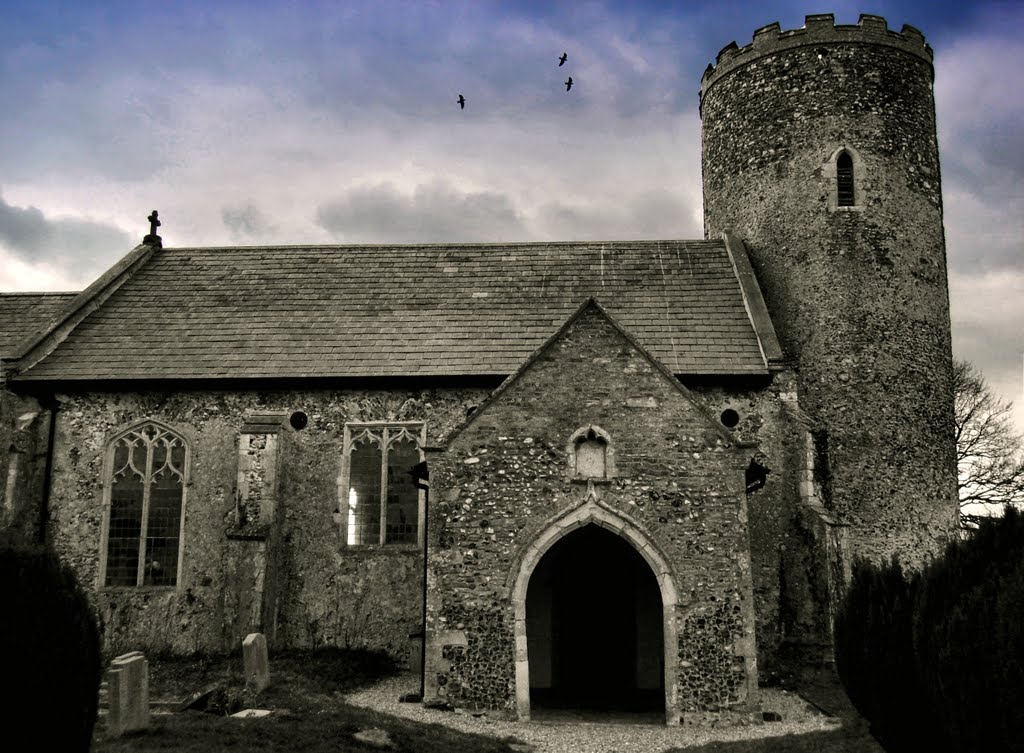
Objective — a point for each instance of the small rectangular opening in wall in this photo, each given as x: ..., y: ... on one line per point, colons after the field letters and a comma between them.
x: 822, y: 467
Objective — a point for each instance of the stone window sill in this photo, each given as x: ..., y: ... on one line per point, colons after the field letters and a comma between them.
x: 249, y: 533
x: 371, y: 549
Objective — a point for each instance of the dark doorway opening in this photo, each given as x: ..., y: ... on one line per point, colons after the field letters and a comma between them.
x: 594, y: 627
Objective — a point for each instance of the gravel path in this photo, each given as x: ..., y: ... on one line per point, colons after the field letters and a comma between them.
x: 549, y: 737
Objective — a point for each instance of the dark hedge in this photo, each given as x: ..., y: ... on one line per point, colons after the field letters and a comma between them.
x: 52, y: 663
x: 935, y: 660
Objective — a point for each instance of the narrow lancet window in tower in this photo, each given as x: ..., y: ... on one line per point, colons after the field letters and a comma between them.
x: 844, y: 180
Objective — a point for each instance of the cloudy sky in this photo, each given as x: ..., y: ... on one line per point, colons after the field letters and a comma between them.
x: 336, y: 122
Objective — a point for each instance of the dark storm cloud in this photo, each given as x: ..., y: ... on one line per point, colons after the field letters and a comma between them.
x: 246, y: 222
x: 435, y: 212
x: 979, y: 116
x: 117, y: 124
x: 33, y: 237
x: 416, y: 60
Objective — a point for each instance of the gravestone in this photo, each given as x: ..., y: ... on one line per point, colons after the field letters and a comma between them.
x: 375, y: 737
x: 128, y: 694
x: 251, y: 714
x: 257, y: 667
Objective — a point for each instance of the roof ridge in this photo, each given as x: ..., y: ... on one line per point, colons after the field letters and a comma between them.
x: 39, y: 293
x: 711, y: 242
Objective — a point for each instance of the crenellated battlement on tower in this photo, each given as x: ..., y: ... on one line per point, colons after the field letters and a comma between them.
x: 818, y: 29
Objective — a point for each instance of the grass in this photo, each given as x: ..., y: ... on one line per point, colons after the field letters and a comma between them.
x: 309, y: 713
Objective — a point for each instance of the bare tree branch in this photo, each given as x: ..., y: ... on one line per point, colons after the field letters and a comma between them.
x: 989, y: 451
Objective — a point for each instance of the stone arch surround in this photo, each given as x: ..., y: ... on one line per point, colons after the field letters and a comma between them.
x: 594, y: 513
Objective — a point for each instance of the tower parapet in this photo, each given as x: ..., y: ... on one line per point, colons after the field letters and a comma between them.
x: 819, y: 29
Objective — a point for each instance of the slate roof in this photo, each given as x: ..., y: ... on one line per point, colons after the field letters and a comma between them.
x: 436, y: 310
x: 22, y: 314
x: 592, y: 305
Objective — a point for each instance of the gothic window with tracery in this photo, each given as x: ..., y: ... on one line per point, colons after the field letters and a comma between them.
x: 145, y: 495
x: 381, y: 502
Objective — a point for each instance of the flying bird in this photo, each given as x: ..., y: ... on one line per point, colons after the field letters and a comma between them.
x: 561, y: 60
x: 568, y: 84
x: 462, y: 102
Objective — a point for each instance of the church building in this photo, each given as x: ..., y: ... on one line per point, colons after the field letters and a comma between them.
x: 613, y: 475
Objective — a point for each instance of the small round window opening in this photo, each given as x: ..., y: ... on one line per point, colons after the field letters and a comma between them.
x: 298, y: 420
x: 730, y: 418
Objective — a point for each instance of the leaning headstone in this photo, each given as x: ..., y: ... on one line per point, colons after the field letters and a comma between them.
x: 198, y: 701
x: 257, y: 667
x: 128, y: 694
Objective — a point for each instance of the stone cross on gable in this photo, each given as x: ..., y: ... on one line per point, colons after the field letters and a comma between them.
x: 153, y: 239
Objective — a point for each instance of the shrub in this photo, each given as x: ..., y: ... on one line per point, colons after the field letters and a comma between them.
x: 968, y: 635
x: 874, y: 649
x: 52, y: 666
x: 936, y: 662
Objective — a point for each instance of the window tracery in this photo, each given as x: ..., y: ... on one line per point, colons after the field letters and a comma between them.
x: 144, y: 502
x: 381, y: 502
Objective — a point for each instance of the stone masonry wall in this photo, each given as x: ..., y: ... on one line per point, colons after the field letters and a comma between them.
x: 790, y: 586
x: 323, y: 593
x: 858, y: 294
x: 504, y: 478
x: 328, y: 594
x: 24, y: 430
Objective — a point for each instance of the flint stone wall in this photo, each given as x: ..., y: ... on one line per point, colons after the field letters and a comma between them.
x: 503, y: 480
x: 322, y: 593
x: 24, y: 431
x: 326, y: 594
x: 796, y: 568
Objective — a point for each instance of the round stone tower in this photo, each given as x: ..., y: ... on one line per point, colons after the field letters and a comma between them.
x: 820, y: 153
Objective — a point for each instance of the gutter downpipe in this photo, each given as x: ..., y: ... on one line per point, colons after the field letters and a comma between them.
x: 423, y: 650
x: 422, y: 479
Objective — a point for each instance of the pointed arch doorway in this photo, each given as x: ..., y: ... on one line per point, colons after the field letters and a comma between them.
x: 595, y: 624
